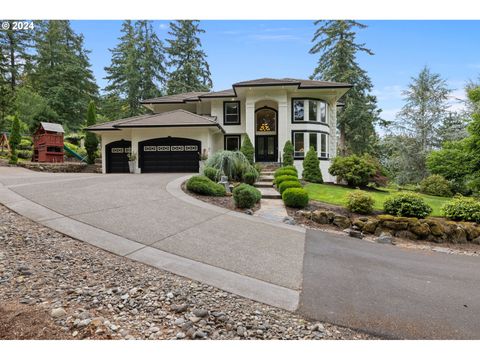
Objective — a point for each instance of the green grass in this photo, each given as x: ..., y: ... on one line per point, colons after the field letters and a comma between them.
x: 336, y: 195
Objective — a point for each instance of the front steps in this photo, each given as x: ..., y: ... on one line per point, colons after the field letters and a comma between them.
x: 265, y: 185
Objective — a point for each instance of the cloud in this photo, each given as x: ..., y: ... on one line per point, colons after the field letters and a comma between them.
x: 389, y: 114
x: 163, y: 26
x: 389, y: 92
x: 275, y: 37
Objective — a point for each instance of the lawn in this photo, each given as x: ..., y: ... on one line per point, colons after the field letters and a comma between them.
x: 335, y: 194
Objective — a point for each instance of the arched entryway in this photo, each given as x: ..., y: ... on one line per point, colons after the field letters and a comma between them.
x: 266, y: 138
x: 116, y: 154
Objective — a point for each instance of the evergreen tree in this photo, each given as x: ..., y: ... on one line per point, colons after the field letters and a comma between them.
x: 62, y: 72
x: 453, y: 128
x: 247, y: 149
x: 311, y: 167
x: 335, y: 41
x: 190, y: 69
x: 288, y: 151
x: 91, y: 139
x: 14, y: 140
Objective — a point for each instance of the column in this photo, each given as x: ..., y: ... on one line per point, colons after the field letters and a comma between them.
x: 283, y: 126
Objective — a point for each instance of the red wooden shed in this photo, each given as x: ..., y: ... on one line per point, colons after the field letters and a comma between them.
x: 48, y: 143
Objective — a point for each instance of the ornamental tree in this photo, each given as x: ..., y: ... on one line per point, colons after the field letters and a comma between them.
x: 91, y: 140
x: 288, y: 153
x: 311, y: 167
x: 247, y: 149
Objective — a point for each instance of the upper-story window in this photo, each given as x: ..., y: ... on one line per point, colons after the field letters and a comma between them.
x: 231, y: 113
x: 310, y: 110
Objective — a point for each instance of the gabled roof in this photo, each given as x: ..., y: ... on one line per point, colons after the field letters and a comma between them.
x: 175, y: 118
x: 198, y: 96
x: 53, y: 127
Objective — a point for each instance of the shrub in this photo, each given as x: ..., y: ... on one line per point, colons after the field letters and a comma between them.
x: 282, y: 171
x: 211, y: 173
x: 91, y: 139
x: 406, y: 204
x: 355, y: 170
x: 435, y: 185
x: 25, y: 154
x: 25, y: 144
x: 246, y: 196
x: 200, y: 184
x: 283, y: 178
x: 288, y: 154
x: 311, y: 167
x: 462, y: 208
x: 359, y: 201
x: 288, y: 184
x: 295, y: 197
x: 247, y: 149
x: 250, y: 178
x: 290, y: 167
x: 232, y: 164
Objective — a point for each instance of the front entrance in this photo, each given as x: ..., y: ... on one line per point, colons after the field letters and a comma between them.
x: 266, y: 148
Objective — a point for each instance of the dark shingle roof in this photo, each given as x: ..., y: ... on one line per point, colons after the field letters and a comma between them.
x: 222, y: 93
x: 175, y: 99
x: 167, y: 119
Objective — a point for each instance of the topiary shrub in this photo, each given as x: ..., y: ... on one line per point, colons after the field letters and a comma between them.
x: 295, y: 197
x: 406, y: 204
x: 355, y: 170
x: 283, y: 178
x: 212, y: 173
x: 288, y: 154
x: 247, y: 149
x: 246, y: 196
x: 435, y: 185
x: 290, y: 167
x: 360, y: 202
x: 311, y: 167
x: 287, y: 185
x: 202, y: 185
x: 250, y: 178
x: 462, y: 208
x: 282, y: 171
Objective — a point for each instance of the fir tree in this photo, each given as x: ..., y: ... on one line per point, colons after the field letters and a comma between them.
x: 14, y: 140
x: 91, y: 140
x: 311, y: 167
x: 288, y: 151
x: 335, y: 41
x: 190, y: 69
x: 247, y: 149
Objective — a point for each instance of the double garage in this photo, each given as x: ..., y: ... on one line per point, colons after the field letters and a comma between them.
x: 168, y: 154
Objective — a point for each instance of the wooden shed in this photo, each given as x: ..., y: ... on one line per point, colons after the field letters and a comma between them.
x: 48, y: 143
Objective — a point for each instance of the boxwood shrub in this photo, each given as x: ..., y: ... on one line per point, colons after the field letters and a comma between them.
x: 250, y: 178
x: 288, y: 184
x: 462, y: 208
x: 202, y: 185
x: 407, y: 204
x: 212, y: 173
x: 295, y: 197
x: 282, y: 171
x: 290, y: 167
x: 359, y: 201
x: 246, y: 196
x: 283, y: 178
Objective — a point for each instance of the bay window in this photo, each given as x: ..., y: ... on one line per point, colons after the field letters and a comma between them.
x: 305, y: 139
x: 310, y: 110
x: 299, y: 149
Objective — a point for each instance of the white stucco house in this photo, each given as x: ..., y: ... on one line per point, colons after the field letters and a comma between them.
x: 183, y: 126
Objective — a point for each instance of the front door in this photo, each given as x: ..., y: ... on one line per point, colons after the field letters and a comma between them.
x: 266, y: 148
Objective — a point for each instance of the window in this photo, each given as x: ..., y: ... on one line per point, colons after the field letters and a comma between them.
x: 231, y: 113
x: 323, y: 112
x: 313, y: 140
x: 316, y: 110
x: 266, y: 120
x: 298, y: 144
x: 232, y: 142
x: 312, y: 110
x: 323, y: 145
x: 298, y: 110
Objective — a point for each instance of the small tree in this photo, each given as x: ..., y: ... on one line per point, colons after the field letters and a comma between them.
x: 91, y: 140
x: 14, y: 140
x: 288, y: 153
x: 311, y: 167
x: 247, y: 149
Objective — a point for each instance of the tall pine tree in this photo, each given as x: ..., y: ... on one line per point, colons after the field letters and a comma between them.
x: 335, y: 41
x: 188, y: 62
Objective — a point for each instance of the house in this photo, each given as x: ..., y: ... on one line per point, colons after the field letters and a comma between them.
x: 183, y: 126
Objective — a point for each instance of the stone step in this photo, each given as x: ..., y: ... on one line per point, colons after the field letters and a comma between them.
x: 267, y: 173
x: 269, y: 193
x: 263, y: 184
x: 266, y: 178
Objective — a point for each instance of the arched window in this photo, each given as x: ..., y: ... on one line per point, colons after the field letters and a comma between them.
x: 266, y: 120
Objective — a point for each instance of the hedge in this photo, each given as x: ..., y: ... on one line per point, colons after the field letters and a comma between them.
x: 295, y: 197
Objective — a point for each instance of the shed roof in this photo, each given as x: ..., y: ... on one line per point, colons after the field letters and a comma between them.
x: 54, y: 127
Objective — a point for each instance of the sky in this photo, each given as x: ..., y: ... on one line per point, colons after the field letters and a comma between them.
x: 245, y: 50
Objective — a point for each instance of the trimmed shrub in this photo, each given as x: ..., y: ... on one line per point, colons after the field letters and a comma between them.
x: 435, y: 185
x: 200, y: 184
x: 295, y: 197
x: 246, y: 196
x: 247, y: 149
x: 360, y: 202
x: 355, y: 170
x: 287, y: 185
x: 211, y: 173
x: 288, y: 153
x: 311, y: 167
x: 290, y: 167
x: 282, y: 171
x: 250, y: 178
x: 462, y: 208
x: 406, y: 204
x: 283, y: 178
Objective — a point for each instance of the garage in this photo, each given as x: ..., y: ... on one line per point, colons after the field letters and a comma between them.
x: 170, y: 154
x: 116, y: 154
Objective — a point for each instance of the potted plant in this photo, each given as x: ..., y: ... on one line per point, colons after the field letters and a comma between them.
x: 203, y: 158
x: 132, y: 158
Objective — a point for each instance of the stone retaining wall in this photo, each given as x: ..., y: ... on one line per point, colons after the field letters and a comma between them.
x: 66, y: 167
x: 430, y: 229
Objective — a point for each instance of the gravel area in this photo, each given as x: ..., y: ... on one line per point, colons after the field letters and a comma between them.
x: 55, y: 287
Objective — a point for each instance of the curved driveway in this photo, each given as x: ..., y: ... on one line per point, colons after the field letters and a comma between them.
x: 373, y: 287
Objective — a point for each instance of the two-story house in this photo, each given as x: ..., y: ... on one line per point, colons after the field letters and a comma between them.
x: 183, y: 126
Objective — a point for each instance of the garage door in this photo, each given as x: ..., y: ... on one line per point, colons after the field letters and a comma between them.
x: 169, y: 155
x: 116, y: 156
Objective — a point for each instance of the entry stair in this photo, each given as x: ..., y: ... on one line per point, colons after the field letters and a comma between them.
x: 265, y: 183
